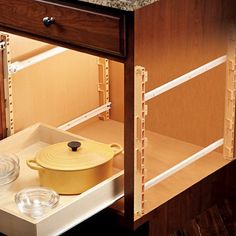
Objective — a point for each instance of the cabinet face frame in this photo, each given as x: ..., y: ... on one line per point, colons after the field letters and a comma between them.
x: 129, y: 86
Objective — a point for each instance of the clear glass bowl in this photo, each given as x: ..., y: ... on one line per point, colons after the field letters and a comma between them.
x: 9, y: 170
x: 36, y: 201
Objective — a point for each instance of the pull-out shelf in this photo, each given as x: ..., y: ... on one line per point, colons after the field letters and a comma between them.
x: 71, y: 210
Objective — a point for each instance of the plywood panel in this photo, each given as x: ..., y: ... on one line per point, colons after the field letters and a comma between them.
x: 56, y: 90
x: 22, y: 48
x: 174, y: 37
x: 193, y: 112
x: 187, y: 35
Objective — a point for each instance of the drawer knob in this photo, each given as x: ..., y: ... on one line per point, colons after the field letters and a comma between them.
x: 47, y: 21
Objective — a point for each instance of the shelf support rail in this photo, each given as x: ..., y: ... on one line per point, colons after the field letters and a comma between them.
x: 184, y: 78
x: 230, y: 97
x: 103, y: 86
x: 5, y: 46
x: 184, y: 163
x: 18, y: 66
x: 85, y: 117
x: 140, y: 110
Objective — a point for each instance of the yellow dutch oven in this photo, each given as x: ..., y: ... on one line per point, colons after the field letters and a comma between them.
x: 72, y: 168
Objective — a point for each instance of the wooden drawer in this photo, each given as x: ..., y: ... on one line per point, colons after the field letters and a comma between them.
x: 85, y: 28
x: 71, y: 209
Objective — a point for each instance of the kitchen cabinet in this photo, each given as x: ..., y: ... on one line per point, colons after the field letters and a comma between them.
x: 155, y: 42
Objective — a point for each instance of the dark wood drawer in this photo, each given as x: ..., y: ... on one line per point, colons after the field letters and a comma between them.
x: 86, y: 28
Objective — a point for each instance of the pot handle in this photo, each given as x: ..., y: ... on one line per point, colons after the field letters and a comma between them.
x: 117, y: 148
x: 33, y: 164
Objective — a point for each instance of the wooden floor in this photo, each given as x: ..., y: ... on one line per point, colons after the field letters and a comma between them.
x: 162, y: 152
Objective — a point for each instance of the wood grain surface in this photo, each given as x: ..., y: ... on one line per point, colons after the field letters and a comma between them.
x: 174, y: 37
x: 129, y: 123
x: 162, y: 153
x: 91, y: 29
x: 54, y: 92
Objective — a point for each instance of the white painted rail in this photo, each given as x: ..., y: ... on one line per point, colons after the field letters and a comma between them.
x: 85, y: 117
x: 18, y: 66
x: 184, y: 163
x: 184, y: 78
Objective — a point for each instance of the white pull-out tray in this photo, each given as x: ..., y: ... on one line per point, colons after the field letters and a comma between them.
x: 71, y: 210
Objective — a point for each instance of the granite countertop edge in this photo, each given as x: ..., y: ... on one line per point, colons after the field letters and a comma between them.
x: 126, y: 5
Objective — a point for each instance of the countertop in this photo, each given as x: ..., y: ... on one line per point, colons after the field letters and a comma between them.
x: 127, y: 5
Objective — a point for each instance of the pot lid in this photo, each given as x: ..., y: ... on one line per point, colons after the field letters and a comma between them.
x: 75, y: 155
x: 9, y: 168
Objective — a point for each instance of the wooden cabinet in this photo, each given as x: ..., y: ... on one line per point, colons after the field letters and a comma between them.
x: 174, y: 41
x: 68, y: 23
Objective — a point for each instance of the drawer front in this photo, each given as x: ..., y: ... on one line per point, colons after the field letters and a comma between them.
x: 85, y: 28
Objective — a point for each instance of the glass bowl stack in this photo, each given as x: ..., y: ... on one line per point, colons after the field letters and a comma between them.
x: 9, y: 170
x: 36, y: 201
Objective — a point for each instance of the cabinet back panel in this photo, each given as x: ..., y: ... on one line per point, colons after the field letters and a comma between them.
x: 56, y: 90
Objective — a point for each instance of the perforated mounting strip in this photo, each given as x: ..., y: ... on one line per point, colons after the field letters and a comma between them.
x: 139, y: 141
x: 7, y: 84
x: 230, y: 96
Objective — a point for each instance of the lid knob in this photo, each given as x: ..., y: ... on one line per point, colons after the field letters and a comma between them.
x: 74, y: 145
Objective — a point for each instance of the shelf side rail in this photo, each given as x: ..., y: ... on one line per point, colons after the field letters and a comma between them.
x: 103, y: 86
x: 103, y: 111
x: 85, y: 117
x: 140, y: 111
x: 184, y: 163
x: 184, y: 78
x: 18, y: 66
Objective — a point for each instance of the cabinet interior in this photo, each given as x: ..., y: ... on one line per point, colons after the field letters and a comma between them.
x: 179, y: 123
